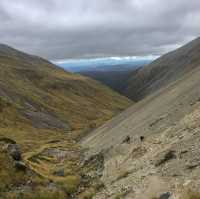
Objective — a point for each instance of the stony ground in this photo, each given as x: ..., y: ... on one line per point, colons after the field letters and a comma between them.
x: 152, y: 148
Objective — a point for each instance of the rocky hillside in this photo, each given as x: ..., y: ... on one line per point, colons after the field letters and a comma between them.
x: 151, y: 150
x: 43, y: 109
x: 164, y: 70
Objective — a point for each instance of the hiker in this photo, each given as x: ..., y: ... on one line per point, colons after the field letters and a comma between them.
x: 141, y: 138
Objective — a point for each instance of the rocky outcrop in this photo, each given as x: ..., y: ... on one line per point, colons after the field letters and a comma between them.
x: 14, y: 151
x: 97, y: 163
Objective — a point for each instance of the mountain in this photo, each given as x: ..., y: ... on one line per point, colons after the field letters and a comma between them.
x: 113, y: 72
x: 43, y: 111
x: 164, y: 70
x: 117, y: 80
x: 138, y: 82
x: 152, y: 149
x: 103, y: 64
x: 49, y: 97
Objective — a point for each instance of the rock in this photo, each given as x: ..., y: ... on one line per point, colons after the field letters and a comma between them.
x: 167, y: 156
x: 192, y: 103
x: 19, y: 165
x: 192, y: 166
x: 182, y: 153
x: 127, y: 140
x: 166, y: 195
x: 60, y: 172
x: 14, y: 151
x: 95, y: 161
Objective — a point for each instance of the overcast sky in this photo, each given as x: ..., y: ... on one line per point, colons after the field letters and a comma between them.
x: 59, y: 29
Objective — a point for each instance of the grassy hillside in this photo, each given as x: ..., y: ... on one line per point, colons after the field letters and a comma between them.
x: 42, y: 110
x: 49, y: 97
x: 164, y: 70
x: 116, y: 80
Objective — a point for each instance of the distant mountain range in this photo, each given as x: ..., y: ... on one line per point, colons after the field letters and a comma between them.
x: 104, y: 64
x: 111, y: 71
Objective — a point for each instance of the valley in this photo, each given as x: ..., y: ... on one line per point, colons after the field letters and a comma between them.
x: 66, y: 135
x: 116, y: 80
x: 99, y: 99
x: 44, y: 110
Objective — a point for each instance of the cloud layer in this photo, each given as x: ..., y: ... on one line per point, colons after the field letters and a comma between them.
x: 59, y: 29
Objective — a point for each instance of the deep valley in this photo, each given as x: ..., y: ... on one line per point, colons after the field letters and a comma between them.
x: 60, y: 136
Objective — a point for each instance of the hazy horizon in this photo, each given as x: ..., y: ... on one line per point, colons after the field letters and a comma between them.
x: 104, y: 63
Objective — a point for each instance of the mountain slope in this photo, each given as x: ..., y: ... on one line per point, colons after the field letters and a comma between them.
x: 152, y: 148
x: 50, y: 97
x: 42, y: 110
x: 116, y: 80
x: 164, y: 70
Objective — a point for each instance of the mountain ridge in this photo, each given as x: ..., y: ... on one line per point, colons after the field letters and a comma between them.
x: 164, y: 70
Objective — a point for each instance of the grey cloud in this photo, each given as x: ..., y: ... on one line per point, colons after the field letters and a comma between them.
x: 58, y: 29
